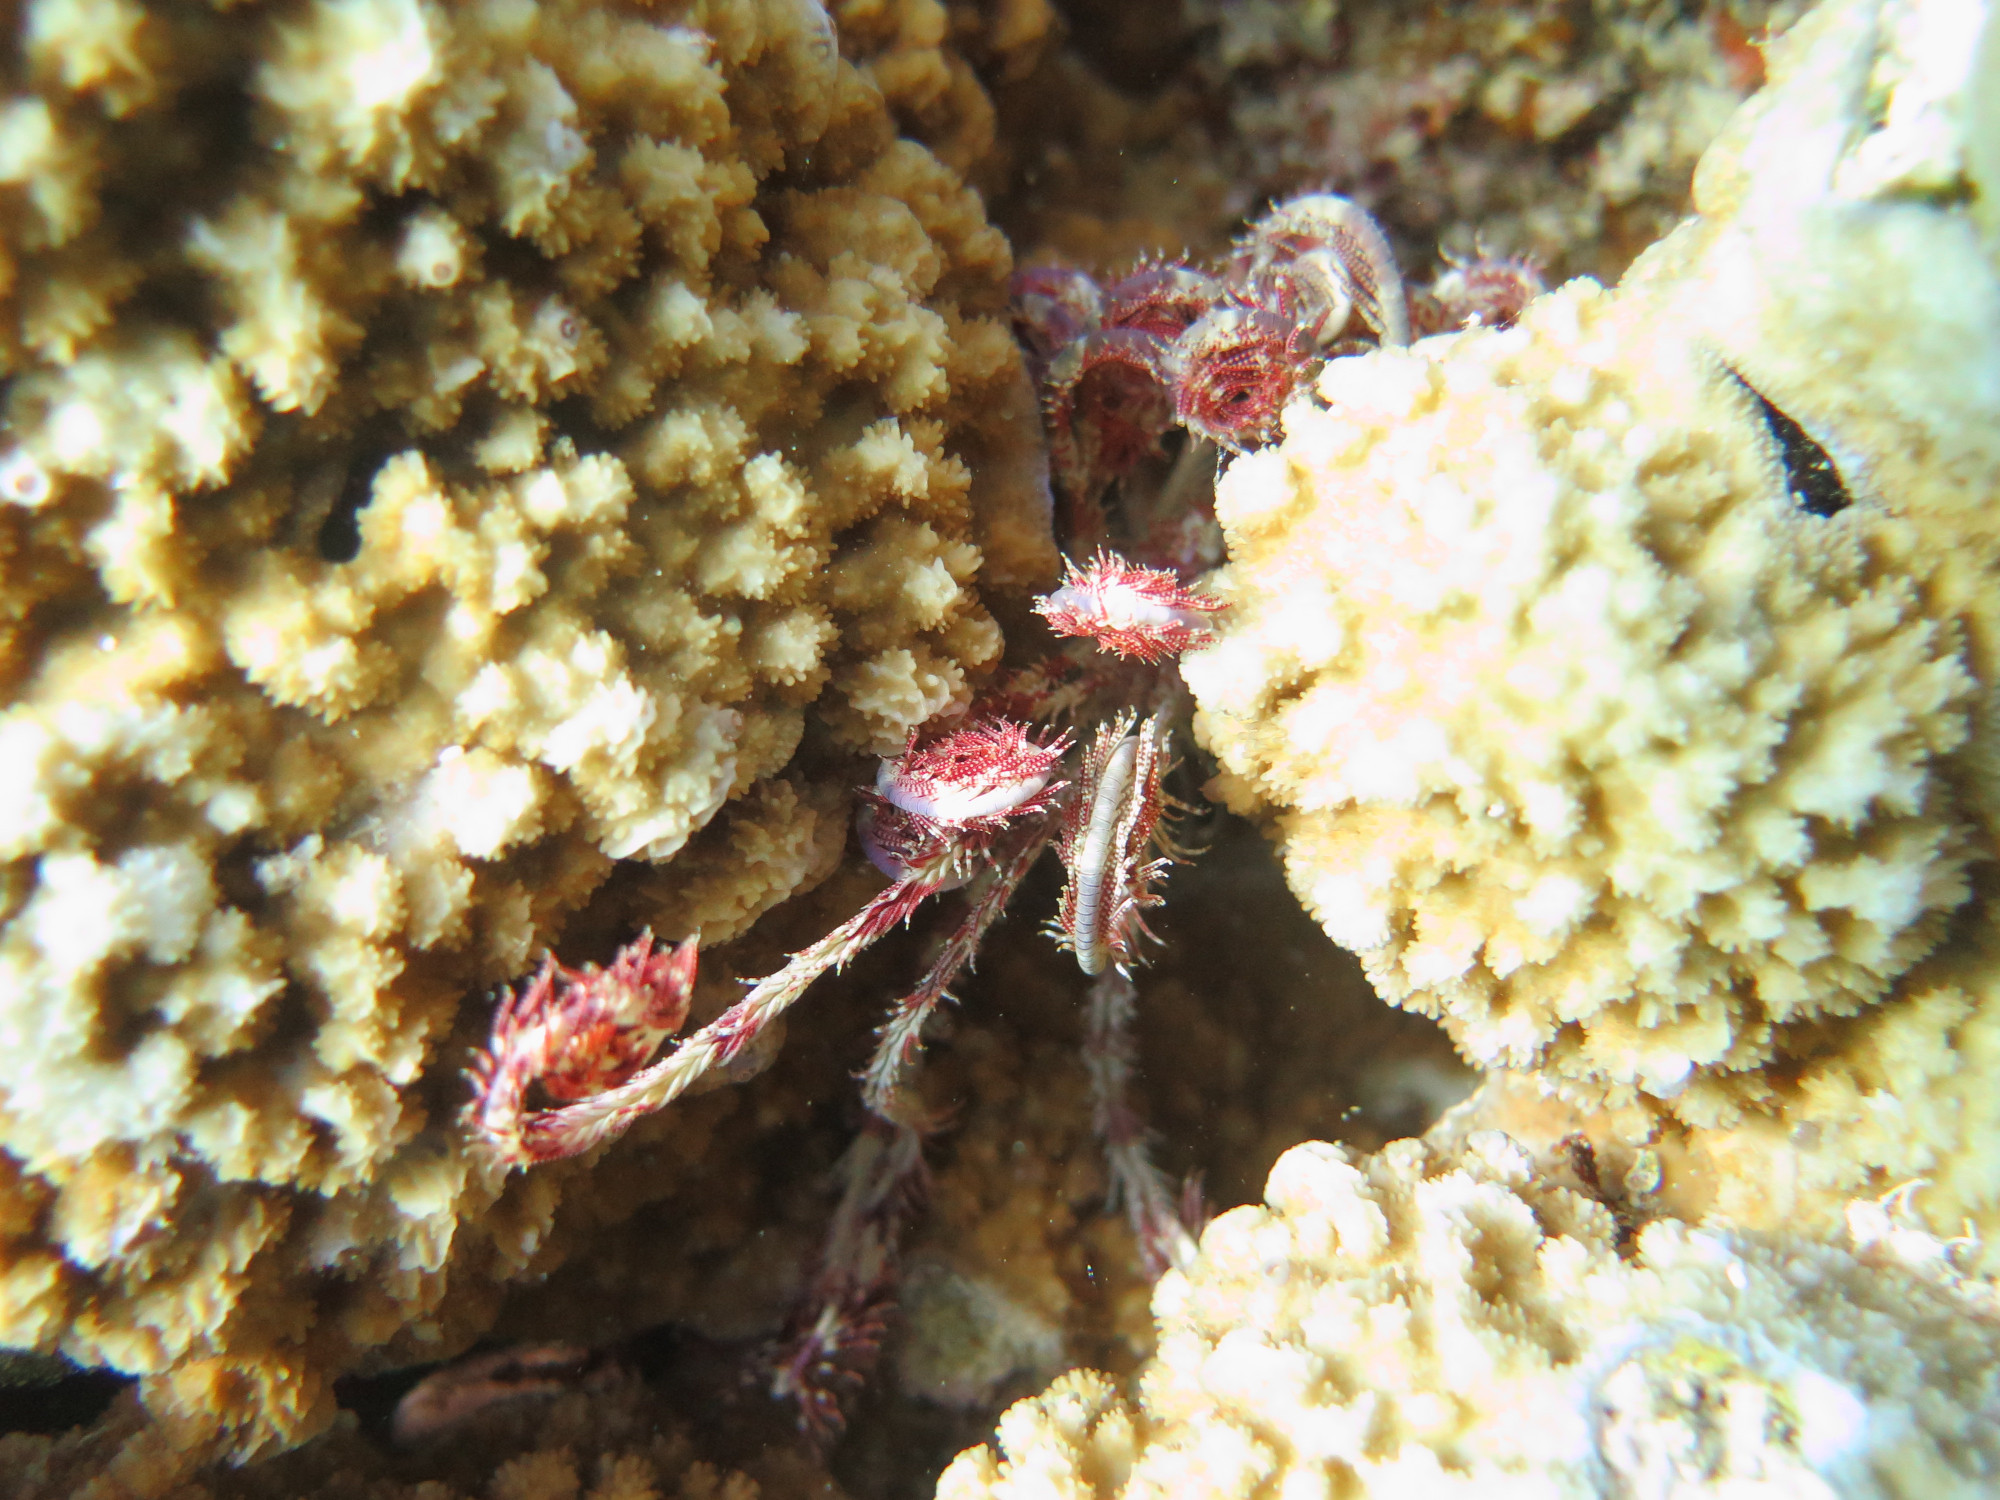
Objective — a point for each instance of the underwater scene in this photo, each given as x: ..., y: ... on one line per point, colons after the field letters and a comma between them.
x: 999, y: 749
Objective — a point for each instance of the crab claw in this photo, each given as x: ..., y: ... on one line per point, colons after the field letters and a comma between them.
x: 1325, y: 260
x: 1164, y: 301
x: 1108, y: 405
x: 1234, y: 372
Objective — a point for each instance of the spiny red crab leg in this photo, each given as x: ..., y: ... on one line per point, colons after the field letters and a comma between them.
x: 938, y: 807
x: 522, y: 1137
x: 1479, y: 291
x: 835, y: 1336
x: 1163, y: 1222
x: 1110, y: 832
x: 1162, y: 301
x: 900, y: 1038
x: 1233, y: 373
x: 579, y: 1031
x: 1108, y: 405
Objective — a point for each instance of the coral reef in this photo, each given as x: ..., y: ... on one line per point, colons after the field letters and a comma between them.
x: 1240, y: 1057
x: 1423, y: 1323
x: 1616, y: 683
x: 1617, y: 687
x: 1254, y: 1034
x: 448, y: 451
x: 614, y: 1440
x: 480, y: 475
x: 1563, y: 132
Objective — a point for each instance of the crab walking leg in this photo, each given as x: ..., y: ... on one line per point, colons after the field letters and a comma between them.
x: 1110, y: 827
x: 835, y: 1335
x: 523, y: 1137
x: 1160, y: 1218
x: 901, y: 1037
x: 1093, y: 863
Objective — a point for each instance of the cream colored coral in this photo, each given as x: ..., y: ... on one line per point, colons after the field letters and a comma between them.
x: 448, y: 450
x: 1421, y: 1325
x: 1576, y: 722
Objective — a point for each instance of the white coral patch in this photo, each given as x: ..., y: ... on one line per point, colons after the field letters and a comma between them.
x: 482, y: 803
x: 350, y: 69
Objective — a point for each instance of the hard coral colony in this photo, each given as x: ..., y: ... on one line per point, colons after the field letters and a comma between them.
x: 973, y: 802
x: 451, y: 453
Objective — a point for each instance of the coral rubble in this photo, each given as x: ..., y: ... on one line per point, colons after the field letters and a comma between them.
x: 1564, y: 132
x: 447, y: 451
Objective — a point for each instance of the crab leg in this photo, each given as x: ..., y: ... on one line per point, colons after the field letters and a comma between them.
x: 522, y: 1137
x: 1162, y: 1221
x: 901, y: 1037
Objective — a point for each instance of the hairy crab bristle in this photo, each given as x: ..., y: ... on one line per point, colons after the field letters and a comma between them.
x: 578, y: 1033
x: 1108, y: 406
x: 979, y: 774
x: 1162, y: 301
x: 1112, y: 846
x: 1485, y: 291
x: 1144, y: 613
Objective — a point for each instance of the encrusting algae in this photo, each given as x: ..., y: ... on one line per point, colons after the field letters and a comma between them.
x: 447, y: 450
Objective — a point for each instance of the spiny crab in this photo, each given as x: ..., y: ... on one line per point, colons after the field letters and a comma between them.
x: 972, y: 803
x: 1220, y: 353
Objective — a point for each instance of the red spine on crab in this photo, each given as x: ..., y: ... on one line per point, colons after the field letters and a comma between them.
x: 1108, y: 406
x: 578, y: 1032
x: 1144, y: 613
x: 837, y: 1329
x: 1322, y: 259
x: 980, y: 774
x: 955, y: 793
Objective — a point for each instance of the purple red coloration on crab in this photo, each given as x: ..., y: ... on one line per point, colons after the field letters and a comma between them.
x: 1221, y: 353
x: 972, y: 803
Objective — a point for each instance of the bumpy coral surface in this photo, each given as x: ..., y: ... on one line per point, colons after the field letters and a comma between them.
x: 447, y: 450
x: 1616, y: 682
x: 1418, y: 1324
